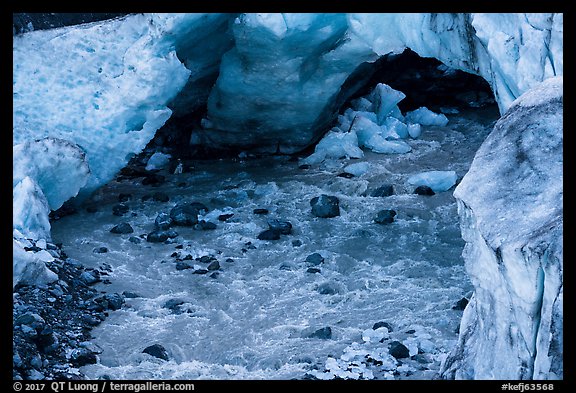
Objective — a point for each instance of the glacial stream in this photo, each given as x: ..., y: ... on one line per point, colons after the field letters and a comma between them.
x: 255, y: 317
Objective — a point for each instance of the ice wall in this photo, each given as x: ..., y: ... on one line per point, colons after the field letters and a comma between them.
x: 272, y: 82
x: 45, y: 174
x: 280, y: 86
x: 106, y: 86
x: 88, y: 97
x: 511, y: 209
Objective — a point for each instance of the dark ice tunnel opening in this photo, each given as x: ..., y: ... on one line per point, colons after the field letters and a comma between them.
x: 425, y: 81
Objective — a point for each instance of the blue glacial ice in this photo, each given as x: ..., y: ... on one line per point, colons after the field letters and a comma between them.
x: 438, y: 181
x: 103, y: 86
x: 511, y: 212
x: 271, y: 81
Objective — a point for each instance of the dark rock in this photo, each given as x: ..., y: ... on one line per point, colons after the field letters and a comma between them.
x: 398, y: 350
x: 411, y: 331
x: 421, y: 358
x: 205, y: 225
x: 328, y: 288
x: 229, y: 260
x: 206, y: 259
x: 383, y: 191
x: 124, y: 197
x: 214, y: 275
x: 114, y: 301
x: 130, y: 295
x: 215, y: 265
x: 47, y: 340
x: 17, y: 360
x: 224, y: 217
x: 160, y: 197
x: 261, y: 211
x: 31, y: 319
x: 82, y: 356
x: 324, y: 333
x: 385, y: 216
x: 120, y: 209
x: 424, y: 190
x: 382, y: 324
x: 269, y: 234
x: 96, y: 306
x: 460, y: 304
x: 157, y: 350
x: 91, y: 320
x: 304, y: 166
x: 315, y: 259
x: 186, y: 214
x: 325, y: 206
x: 161, y: 236
x: 29, y: 332
x: 296, y: 243
x: 35, y: 375
x: 284, y: 227
x: 162, y: 221
x: 153, y: 179
x: 122, y: 228
x: 36, y: 362
x: 173, y: 304
x: 313, y: 270
x: 346, y: 175
x: 134, y: 239
x: 182, y: 266
x: 66, y: 209
x: 250, y: 246
x: 200, y: 271
x: 88, y: 278
x: 100, y: 250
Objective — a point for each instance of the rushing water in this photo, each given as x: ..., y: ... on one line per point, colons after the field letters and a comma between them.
x: 253, y: 319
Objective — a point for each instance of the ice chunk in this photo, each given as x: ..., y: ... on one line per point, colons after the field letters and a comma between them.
x: 28, y: 268
x: 335, y: 145
x: 426, y: 117
x: 157, y: 161
x: 378, y: 144
x: 357, y: 169
x: 371, y: 335
x: 365, y: 129
x: 362, y: 104
x: 30, y: 210
x: 414, y: 130
x: 58, y: 167
x: 384, y: 99
x: 395, y: 129
x: 438, y: 181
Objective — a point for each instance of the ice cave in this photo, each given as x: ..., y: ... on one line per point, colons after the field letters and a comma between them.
x: 288, y: 196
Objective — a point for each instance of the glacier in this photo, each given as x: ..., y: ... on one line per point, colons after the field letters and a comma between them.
x: 88, y: 98
x: 511, y: 209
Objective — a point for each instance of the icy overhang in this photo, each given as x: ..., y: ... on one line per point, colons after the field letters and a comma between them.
x: 271, y: 82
